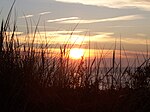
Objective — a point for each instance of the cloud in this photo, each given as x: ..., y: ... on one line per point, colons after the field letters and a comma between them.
x: 27, y: 16
x: 120, y: 18
x: 66, y: 32
x: 16, y: 33
x: 142, y: 4
x: 62, y: 19
x: 43, y: 13
x: 128, y: 26
x: 141, y: 35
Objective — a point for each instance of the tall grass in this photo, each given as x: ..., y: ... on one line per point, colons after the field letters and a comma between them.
x: 31, y: 77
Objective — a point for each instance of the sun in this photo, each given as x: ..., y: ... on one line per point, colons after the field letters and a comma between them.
x: 76, y: 53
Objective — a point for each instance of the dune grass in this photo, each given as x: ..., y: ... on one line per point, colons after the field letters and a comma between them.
x: 32, y: 79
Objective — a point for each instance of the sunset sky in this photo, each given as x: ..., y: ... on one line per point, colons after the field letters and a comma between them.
x: 101, y: 20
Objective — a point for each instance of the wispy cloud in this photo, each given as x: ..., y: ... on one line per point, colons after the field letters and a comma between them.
x: 62, y: 19
x: 120, y: 18
x: 26, y: 16
x: 142, y: 4
x: 43, y: 13
x: 121, y: 26
x: 141, y: 34
x: 16, y: 33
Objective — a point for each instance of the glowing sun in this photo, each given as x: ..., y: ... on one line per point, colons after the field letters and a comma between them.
x: 76, y: 53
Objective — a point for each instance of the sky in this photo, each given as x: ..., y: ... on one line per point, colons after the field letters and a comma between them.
x: 101, y: 21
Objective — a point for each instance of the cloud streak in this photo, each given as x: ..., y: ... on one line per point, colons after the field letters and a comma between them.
x: 44, y: 13
x: 120, y: 18
x: 27, y: 16
x: 62, y: 19
x: 142, y: 4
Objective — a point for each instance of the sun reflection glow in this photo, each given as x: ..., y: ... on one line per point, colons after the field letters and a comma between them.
x: 76, y: 53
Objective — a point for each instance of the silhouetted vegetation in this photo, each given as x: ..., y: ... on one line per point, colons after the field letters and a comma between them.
x: 32, y: 79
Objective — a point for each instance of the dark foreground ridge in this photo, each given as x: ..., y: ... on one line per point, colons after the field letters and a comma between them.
x: 21, y: 92
x: 67, y: 100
